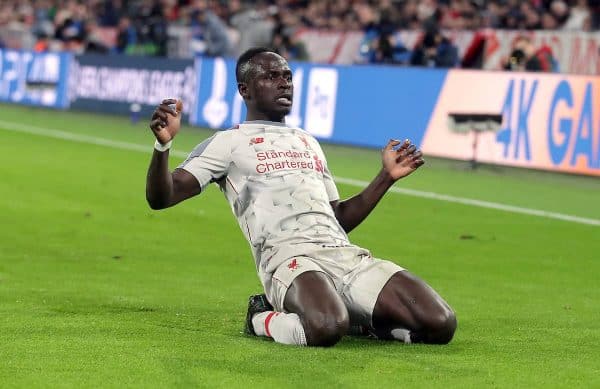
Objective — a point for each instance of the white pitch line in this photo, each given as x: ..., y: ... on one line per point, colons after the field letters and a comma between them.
x: 479, y: 203
x: 58, y: 134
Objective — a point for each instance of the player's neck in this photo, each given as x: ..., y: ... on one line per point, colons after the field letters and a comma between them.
x: 251, y: 116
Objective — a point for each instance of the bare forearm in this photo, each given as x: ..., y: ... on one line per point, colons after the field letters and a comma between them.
x: 399, y: 159
x: 351, y: 212
x: 165, y: 188
x: 159, y: 181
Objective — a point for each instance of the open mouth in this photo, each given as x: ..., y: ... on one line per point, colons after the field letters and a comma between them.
x: 285, y: 100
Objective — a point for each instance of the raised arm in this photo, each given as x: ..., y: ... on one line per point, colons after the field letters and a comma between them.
x: 163, y: 188
x: 397, y: 162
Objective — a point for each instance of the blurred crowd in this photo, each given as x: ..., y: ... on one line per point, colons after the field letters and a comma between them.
x: 226, y: 28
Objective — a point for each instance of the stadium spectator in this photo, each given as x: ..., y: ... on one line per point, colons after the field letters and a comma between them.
x: 284, y: 41
x: 229, y: 28
x: 579, y: 17
x: 340, y: 15
x: 385, y: 48
x: 380, y: 44
x: 435, y: 50
x: 42, y: 43
x: 548, y: 21
x: 211, y: 31
x: 560, y: 11
x: 289, y: 47
x: 594, y: 6
x: 513, y: 20
x: 110, y: 12
x: 126, y: 36
x: 93, y: 42
x: 459, y: 14
x: 526, y: 57
x: 390, y: 50
x: 492, y: 14
x: 531, y: 18
x: 153, y: 27
x: 171, y: 10
x: 254, y: 24
x: 43, y: 13
x: 15, y: 25
x: 69, y: 23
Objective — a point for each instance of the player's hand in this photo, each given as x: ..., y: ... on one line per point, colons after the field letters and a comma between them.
x: 166, y: 120
x: 401, y: 158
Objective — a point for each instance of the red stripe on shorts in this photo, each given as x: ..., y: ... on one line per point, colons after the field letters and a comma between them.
x: 267, y: 321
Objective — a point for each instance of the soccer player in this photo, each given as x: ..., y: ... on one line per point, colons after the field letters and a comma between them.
x: 317, y: 284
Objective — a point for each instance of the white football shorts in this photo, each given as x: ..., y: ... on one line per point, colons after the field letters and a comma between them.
x: 356, y: 275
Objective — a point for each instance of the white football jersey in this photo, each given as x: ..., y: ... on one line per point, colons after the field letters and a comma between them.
x: 277, y: 182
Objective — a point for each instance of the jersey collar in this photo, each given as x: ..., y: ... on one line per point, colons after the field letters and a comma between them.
x: 266, y: 123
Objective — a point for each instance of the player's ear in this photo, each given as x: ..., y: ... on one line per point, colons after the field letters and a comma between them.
x: 243, y: 89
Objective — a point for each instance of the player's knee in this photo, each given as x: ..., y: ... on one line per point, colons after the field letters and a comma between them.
x: 441, y: 327
x: 326, y: 329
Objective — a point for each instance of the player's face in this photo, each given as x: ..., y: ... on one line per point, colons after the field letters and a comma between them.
x: 271, y: 87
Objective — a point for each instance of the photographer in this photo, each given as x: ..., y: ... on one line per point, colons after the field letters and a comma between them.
x: 435, y: 50
x: 525, y: 57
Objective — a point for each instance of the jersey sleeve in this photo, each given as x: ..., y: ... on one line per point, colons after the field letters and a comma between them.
x: 209, y: 161
x: 330, y: 187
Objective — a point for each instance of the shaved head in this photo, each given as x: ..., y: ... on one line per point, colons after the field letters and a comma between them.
x: 243, y: 68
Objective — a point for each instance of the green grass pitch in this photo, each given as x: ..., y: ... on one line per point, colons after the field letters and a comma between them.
x: 97, y: 290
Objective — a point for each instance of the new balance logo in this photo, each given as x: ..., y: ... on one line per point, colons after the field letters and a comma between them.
x: 255, y: 141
